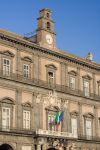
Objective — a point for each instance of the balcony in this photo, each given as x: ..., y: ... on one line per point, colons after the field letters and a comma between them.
x: 55, y: 134
x: 45, y: 84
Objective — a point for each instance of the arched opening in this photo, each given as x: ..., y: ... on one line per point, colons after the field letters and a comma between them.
x: 48, y: 15
x: 48, y: 26
x: 5, y: 147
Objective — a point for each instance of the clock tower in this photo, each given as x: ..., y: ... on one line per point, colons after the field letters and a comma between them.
x: 46, y: 36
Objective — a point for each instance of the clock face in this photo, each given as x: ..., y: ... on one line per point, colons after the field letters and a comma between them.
x: 49, y: 39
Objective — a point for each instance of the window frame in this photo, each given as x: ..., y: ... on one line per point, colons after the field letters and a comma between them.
x: 5, y: 66
x: 86, y: 118
x: 26, y: 73
x: 29, y: 121
x: 71, y: 84
x: 8, y: 103
x: 87, y: 94
x: 51, y: 68
x: 74, y: 115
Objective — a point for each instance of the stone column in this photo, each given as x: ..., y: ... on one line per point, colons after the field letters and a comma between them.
x: 96, y: 121
x: 19, y: 108
x: 63, y: 74
x: 80, y: 120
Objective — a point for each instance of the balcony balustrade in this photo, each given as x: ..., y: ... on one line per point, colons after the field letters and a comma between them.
x: 45, y: 84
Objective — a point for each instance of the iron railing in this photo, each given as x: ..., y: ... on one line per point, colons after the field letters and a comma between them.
x: 45, y: 84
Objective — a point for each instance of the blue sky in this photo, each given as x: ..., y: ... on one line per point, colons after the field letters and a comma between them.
x: 77, y: 22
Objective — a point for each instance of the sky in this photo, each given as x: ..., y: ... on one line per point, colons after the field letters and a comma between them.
x: 77, y: 22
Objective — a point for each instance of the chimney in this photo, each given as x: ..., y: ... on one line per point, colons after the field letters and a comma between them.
x: 89, y: 56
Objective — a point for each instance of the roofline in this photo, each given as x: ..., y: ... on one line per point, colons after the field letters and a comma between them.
x: 15, y: 37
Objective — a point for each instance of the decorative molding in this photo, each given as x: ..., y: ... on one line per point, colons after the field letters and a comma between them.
x: 7, y: 100
x: 52, y: 108
x: 74, y: 113
x: 51, y: 66
x: 72, y: 72
x: 87, y: 77
x: 26, y: 58
x: 7, y: 53
x: 27, y: 104
x: 89, y: 115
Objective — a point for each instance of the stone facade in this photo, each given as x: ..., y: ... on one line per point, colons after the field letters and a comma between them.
x: 37, y: 80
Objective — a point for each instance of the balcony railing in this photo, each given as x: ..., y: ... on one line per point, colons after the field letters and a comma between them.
x: 54, y: 133
x: 45, y: 84
x: 15, y: 130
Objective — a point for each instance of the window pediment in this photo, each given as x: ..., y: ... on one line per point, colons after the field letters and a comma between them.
x: 53, y: 108
x: 89, y: 115
x: 51, y: 66
x: 87, y: 77
x: 7, y: 100
x: 74, y: 113
x: 72, y: 72
x: 7, y: 53
x: 28, y: 59
x: 27, y: 104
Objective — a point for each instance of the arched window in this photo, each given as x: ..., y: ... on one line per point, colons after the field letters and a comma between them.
x: 48, y: 15
x: 48, y: 25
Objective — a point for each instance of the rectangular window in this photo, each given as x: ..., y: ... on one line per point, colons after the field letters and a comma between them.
x: 86, y: 88
x: 51, y: 78
x: 72, y: 83
x: 88, y: 128
x: 26, y: 71
x: 51, y: 122
x: 74, y: 126
x: 6, y: 67
x: 5, y: 118
x: 26, y: 119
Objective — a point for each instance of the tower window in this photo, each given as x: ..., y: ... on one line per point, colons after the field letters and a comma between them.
x: 48, y: 25
x: 48, y: 15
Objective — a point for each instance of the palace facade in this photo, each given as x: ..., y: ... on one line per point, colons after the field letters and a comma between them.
x: 38, y: 82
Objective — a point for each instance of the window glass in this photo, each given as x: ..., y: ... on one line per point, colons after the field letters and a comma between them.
x: 26, y: 119
x: 88, y: 128
x: 72, y: 83
x: 74, y: 126
x: 5, y: 118
x: 51, y: 121
x: 86, y: 88
x: 6, y: 67
x: 26, y: 71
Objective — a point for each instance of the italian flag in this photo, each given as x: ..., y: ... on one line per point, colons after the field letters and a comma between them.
x: 57, y: 121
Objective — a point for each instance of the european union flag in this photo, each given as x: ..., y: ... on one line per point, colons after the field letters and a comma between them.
x: 61, y: 117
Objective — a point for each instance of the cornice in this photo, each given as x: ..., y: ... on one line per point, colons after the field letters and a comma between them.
x: 16, y: 39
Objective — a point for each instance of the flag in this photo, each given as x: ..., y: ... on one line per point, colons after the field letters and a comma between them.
x: 61, y: 117
x: 57, y: 120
